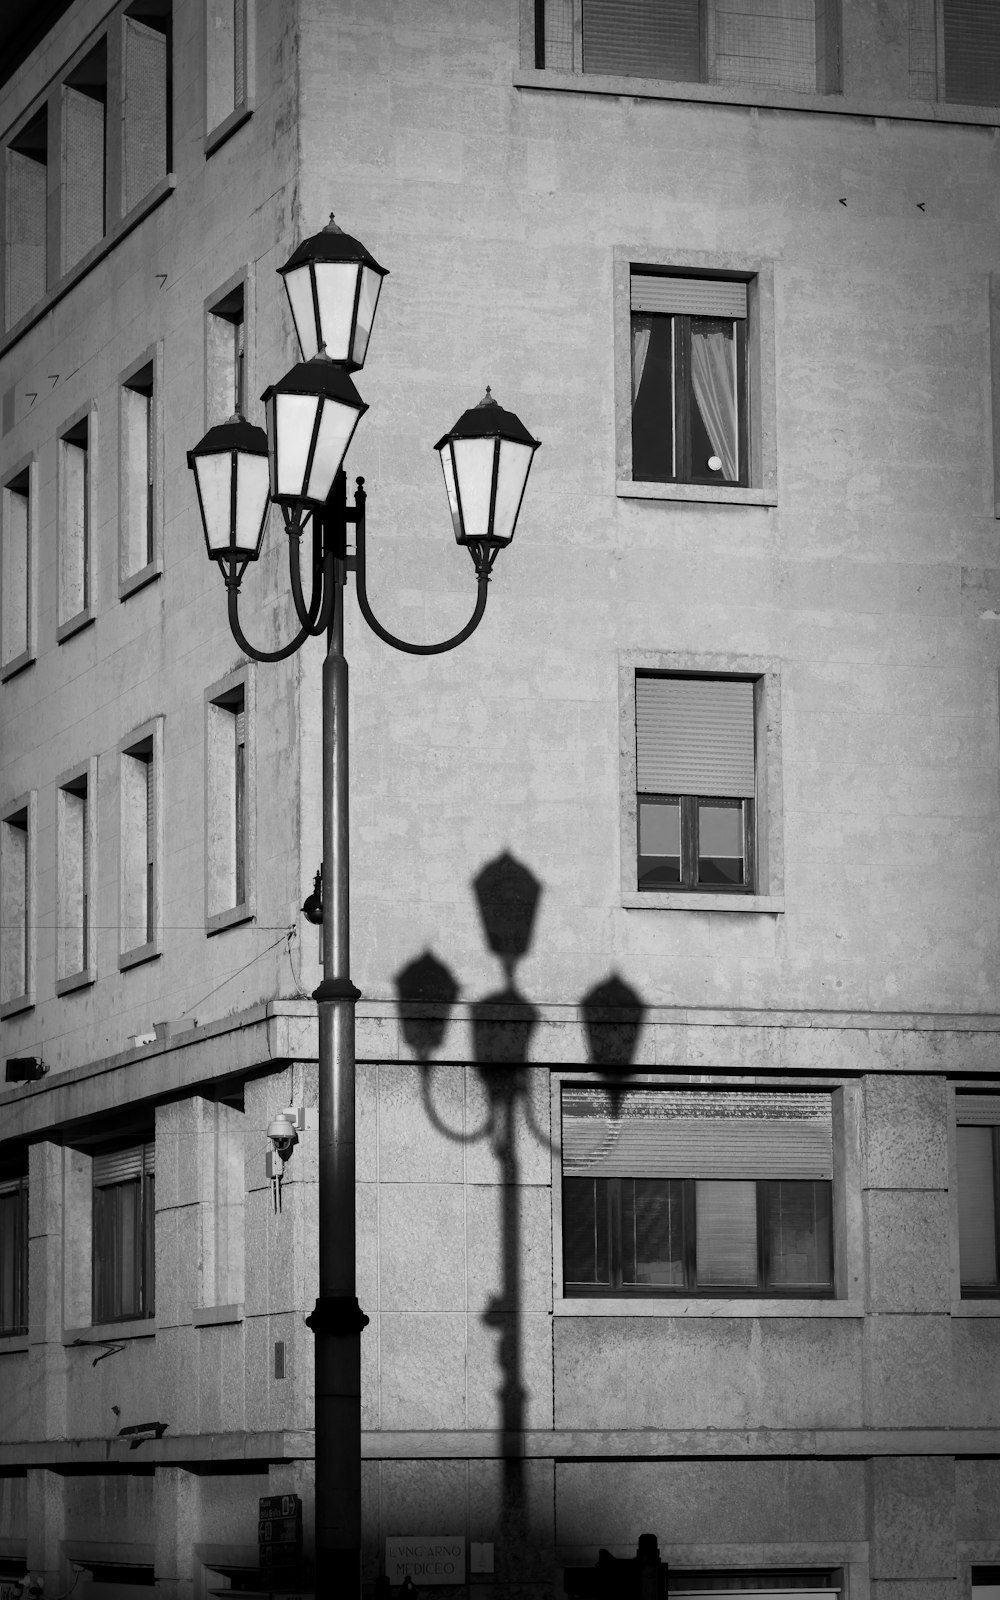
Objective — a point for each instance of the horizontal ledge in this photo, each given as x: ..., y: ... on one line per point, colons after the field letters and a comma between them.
x: 179, y: 1449
x: 761, y: 904
x: 691, y: 1308
x: 216, y: 1316
x: 111, y: 1332
x: 751, y: 95
x: 697, y: 493
x: 227, y: 127
x: 677, y: 1443
x: 12, y: 1344
x: 75, y: 625
x: 139, y: 579
x: 975, y: 1308
x: 75, y: 980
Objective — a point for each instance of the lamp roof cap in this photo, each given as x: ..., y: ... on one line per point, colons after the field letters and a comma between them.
x: 235, y: 434
x: 319, y: 375
x: 488, y: 419
x: 332, y: 244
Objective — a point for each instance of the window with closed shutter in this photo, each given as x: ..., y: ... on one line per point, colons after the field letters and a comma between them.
x: 14, y: 1256
x: 85, y: 99
x: 25, y: 230
x: 695, y: 777
x: 717, y: 1192
x: 123, y: 1234
x: 971, y: 34
x: 146, y: 101
x: 978, y: 1150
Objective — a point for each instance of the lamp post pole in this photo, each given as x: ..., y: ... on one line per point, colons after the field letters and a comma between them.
x: 333, y: 285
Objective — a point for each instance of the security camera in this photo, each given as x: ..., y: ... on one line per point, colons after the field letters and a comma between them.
x: 283, y: 1133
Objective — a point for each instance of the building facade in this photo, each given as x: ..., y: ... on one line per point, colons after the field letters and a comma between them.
x: 673, y: 889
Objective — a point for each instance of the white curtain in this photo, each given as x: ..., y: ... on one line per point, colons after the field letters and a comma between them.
x: 712, y: 371
x: 642, y: 327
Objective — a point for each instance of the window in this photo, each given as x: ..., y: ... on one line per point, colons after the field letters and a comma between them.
x: 676, y: 1191
x: 26, y: 221
x: 74, y: 525
x: 794, y: 45
x: 17, y: 871
x: 225, y: 358
x: 15, y: 572
x: 954, y: 50
x: 14, y: 1256
x: 689, y: 380
x: 978, y: 1139
x: 74, y: 885
x: 123, y: 1234
x: 140, y: 761
x: 227, y: 805
x: 695, y: 783
x: 147, y: 96
x: 138, y: 472
x: 83, y: 189
x: 226, y: 60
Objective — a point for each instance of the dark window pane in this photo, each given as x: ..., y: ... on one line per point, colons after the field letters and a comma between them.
x: 586, y: 1257
x: 977, y: 1238
x: 720, y: 843
x: 652, y: 1231
x: 13, y: 1260
x: 714, y: 401
x: 659, y: 843
x: 117, y: 1251
x: 726, y: 1233
x: 799, y: 1235
x: 652, y: 398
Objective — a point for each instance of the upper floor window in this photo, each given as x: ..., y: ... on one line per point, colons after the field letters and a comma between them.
x: 17, y: 883
x: 978, y: 1140
x: 16, y: 576
x: 146, y: 121
x: 84, y: 190
x: 14, y: 1256
x: 75, y: 495
x: 794, y: 45
x: 954, y: 51
x: 123, y: 1234
x: 26, y: 219
x: 226, y: 357
x: 678, y: 1191
x: 225, y: 61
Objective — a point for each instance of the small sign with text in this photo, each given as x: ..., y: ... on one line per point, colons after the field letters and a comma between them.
x: 428, y: 1559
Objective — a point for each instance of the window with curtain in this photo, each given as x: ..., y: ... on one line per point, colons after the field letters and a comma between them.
x: 695, y: 782
x: 689, y: 380
x: 978, y: 1141
x: 14, y: 1256
x: 123, y: 1234
x: 712, y: 1192
x: 793, y: 45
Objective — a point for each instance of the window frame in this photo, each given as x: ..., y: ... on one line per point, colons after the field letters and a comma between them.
x: 767, y: 843
x: 145, y: 1254
x: 132, y: 577
x: 221, y: 785
x: 761, y: 425
x: 69, y: 622
x: 982, y: 1298
x: 18, y: 1186
x: 134, y: 747
x: 848, y: 1245
x: 217, y: 132
x: 68, y: 782
x: 216, y: 354
x: 27, y: 470
x: 26, y: 806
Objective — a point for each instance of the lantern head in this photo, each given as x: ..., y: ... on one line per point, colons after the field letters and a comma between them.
x: 311, y: 417
x: 486, y: 458
x: 333, y: 284
x: 231, y: 479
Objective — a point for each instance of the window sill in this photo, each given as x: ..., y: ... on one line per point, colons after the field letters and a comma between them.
x: 138, y: 580
x: 66, y: 630
x: 758, y: 904
x: 754, y: 95
x: 976, y: 1307
x: 632, y: 1306
x: 216, y: 1316
x: 13, y: 1343
x: 698, y: 493
x: 219, y: 921
x: 76, y: 980
x: 227, y: 127
x: 135, y: 958
x: 156, y: 195
x: 12, y: 1008
x: 17, y: 664
x: 111, y: 1332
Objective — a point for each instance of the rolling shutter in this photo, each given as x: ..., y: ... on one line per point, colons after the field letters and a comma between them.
x: 977, y: 1109
x: 682, y: 1133
x: 122, y: 1165
x: 695, y: 736
x: 145, y: 132
x: 972, y: 52
x: 643, y: 38
x: 695, y: 297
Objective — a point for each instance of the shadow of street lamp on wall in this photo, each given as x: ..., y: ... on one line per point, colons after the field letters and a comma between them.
x: 333, y: 285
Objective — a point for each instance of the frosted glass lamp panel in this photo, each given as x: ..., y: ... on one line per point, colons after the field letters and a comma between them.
x: 290, y: 422
x: 336, y: 428
x: 448, y: 468
x: 371, y: 283
x: 335, y: 285
x: 215, y: 489
x: 252, y: 487
x: 474, y: 470
x: 515, y: 460
x: 298, y: 287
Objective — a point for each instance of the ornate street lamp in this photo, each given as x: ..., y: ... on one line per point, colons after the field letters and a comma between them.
x: 333, y: 285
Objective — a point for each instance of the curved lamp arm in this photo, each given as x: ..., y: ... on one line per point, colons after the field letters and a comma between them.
x: 314, y: 616
x: 369, y: 615
x: 251, y: 650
